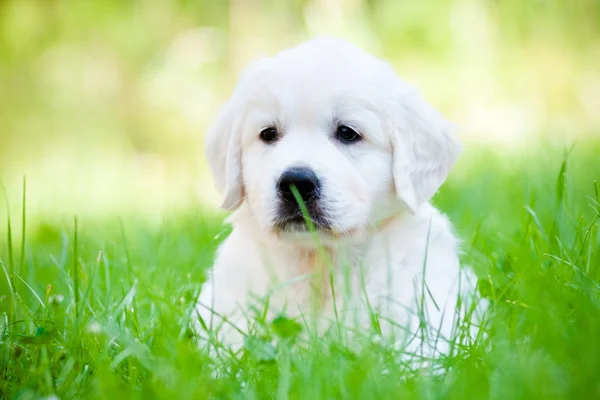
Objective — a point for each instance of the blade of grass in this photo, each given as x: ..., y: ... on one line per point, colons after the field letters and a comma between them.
x: 33, y: 292
x: 8, y: 270
x: 76, y: 268
x: 23, y: 228
x: 322, y: 253
x: 13, y: 295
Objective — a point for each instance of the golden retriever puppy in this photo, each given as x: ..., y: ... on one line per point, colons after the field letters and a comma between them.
x: 330, y: 130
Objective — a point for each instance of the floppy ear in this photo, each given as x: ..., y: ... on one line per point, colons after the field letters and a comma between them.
x: 425, y: 148
x: 223, y: 151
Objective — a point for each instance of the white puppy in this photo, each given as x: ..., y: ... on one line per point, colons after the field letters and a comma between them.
x: 366, y: 153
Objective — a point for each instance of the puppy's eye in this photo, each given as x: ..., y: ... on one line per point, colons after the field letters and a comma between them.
x: 347, y: 135
x: 269, y: 135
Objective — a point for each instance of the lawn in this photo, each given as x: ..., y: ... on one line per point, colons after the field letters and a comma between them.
x: 102, y: 308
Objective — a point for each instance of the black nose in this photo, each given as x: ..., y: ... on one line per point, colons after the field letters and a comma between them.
x: 304, y: 179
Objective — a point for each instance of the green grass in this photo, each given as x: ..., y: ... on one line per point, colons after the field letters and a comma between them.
x: 102, y: 309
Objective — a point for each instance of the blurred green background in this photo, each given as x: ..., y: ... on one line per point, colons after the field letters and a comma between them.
x: 104, y: 104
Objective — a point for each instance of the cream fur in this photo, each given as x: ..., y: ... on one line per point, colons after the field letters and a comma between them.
x: 375, y: 194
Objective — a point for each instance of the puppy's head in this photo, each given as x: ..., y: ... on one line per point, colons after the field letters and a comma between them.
x: 337, y: 125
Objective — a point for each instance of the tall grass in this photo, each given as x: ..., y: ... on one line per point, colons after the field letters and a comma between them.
x: 104, y: 308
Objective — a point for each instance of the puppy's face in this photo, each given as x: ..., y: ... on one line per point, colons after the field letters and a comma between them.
x: 319, y: 135
x: 333, y: 126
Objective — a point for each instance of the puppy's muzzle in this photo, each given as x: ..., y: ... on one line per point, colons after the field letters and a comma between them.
x: 289, y: 215
x: 303, y: 179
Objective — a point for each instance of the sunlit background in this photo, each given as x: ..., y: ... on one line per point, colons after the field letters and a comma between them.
x: 104, y: 104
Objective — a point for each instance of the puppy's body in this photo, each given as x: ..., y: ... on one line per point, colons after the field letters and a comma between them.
x: 365, y: 152
x: 385, y: 267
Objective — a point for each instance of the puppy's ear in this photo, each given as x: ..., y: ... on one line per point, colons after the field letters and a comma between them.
x: 425, y: 149
x: 223, y: 151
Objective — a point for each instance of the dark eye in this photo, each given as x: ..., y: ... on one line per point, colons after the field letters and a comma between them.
x: 269, y: 135
x: 347, y: 135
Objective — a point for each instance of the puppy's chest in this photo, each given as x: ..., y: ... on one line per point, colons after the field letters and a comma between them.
x: 310, y: 280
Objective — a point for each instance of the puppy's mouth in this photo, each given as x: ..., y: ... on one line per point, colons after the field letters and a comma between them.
x: 296, y: 222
